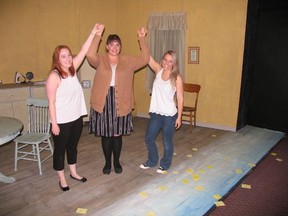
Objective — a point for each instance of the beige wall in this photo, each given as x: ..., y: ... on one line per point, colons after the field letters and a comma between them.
x: 30, y: 30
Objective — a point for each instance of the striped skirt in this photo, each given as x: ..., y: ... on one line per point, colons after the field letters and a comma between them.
x: 107, y: 123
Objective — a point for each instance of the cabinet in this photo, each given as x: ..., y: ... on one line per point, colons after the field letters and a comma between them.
x: 13, y: 99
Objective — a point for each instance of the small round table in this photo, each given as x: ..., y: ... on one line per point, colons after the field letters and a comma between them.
x: 9, y: 129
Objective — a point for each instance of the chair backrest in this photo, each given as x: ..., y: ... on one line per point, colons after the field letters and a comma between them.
x: 192, y: 88
x: 38, y: 112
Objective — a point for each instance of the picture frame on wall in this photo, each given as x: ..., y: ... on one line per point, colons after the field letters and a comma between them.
x: 193, y: 55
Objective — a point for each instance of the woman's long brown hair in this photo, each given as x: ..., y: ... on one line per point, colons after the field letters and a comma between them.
x: 56, y: 64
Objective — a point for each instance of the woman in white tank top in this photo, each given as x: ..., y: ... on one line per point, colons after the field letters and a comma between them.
x: 165, y: 115
x: 67, y: 106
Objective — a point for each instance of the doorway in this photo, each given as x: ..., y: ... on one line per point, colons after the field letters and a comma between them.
x: 264, y: 88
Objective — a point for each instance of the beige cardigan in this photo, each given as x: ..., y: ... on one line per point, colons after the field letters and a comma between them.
x: 124, y: 76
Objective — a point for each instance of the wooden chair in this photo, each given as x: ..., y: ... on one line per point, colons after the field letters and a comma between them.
x: 36, y: 141
x: 190, y: 107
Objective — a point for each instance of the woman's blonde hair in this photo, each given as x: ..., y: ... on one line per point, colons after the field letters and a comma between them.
x: 175, y: 68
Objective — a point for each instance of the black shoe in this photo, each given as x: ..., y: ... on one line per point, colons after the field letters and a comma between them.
x: 64, y: 188
x: 83, y: 179
x: 118, y: 168
x: 106, y: 170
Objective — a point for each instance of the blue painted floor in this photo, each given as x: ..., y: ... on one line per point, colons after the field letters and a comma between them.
x: 193, y: 187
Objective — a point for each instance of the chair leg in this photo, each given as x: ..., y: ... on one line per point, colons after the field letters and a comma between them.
x: 191, y: 120
x: 16, y: 156
x: 38, y: 158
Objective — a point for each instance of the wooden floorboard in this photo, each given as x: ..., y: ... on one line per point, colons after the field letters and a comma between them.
x: 33, y: 194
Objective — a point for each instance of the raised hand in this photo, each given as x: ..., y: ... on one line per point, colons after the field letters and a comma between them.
x: 98, y: 29
x: 142, y: 32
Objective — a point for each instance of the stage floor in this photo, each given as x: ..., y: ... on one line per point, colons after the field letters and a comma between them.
x: 207, y: 164
x: 206, y: 175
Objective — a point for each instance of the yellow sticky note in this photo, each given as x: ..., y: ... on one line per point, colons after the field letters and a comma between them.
x: 214, y: 135
x: 175, y: 172
x: 163, y: 187
x: 194, y: 149
x: 273, y: 153
x: 201, y: 171
x: 251, y: 164
x: 195, y: 177
x: 238, y: 171
x: 219, y: 203
x: 189, y: 170
x: 246, y: 186
x: 209, y: 166
x: 81, y: 211
x: 189, y: 155
x: 185, y: 181
x: 200, y: 188
x: 279, y: 159
x: 150, y: 213
x: 144, y: 194
x: 217, y: 196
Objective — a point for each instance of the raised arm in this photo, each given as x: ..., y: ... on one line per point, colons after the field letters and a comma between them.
x: 97, y: 30
x: 155, y: 66
x: 180, y: 100
x: 145, y: 53
x: 92, y: 50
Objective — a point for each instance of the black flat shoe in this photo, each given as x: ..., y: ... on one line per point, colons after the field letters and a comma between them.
x: 106, y: 170
x: 83, y: 179
x: 64, y: 188
x: 118, y: 169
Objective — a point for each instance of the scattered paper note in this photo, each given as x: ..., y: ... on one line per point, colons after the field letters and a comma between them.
x: 273, y: 153
x: 185, y: 181
x: 199, y: 188
x: 189, y: 170
x: 201, y: 171
x: 144, y: 194
x: 219, y: 203
x: 214, y: 135
x: 194, y: 149
x: 81, y: 211
x: 251, y: 165
x: 217, y: 196
x: 279, y: 159
x: 150, y: 213
x: 189, y: 155
x: 174, y: 153
x: 246, y: 186
x: 163, y: 187
x: 238, y: 171
x: 175, y: 172
x: 209, y: 166
x: 195, y: 177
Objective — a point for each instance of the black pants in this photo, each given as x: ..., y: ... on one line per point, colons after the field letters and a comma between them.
x: 67, y: 141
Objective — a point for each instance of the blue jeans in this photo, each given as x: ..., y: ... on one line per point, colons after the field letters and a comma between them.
x: 156, y: 124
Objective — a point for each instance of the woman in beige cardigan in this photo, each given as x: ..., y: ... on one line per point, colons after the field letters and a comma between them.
x: 112, y: 99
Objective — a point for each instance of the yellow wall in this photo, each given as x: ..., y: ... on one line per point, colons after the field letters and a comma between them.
x: 31, y: 29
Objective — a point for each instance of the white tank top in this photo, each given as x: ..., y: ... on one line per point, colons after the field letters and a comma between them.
x: 162, y: 101
x: 70, y: 102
